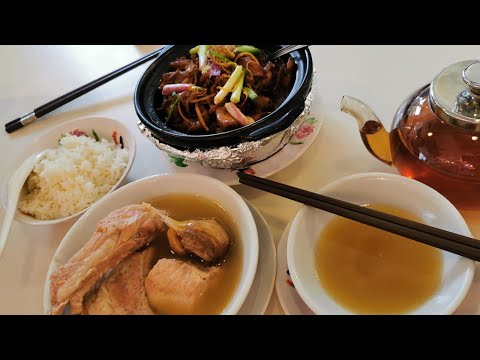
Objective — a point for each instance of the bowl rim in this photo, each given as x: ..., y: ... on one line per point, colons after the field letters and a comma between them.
x: 292, y: 106
x: 30, y: 220
x: 304, y: 292
x: 236, y: 301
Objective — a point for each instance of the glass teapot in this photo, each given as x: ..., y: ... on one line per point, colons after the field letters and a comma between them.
x: 435, y: 136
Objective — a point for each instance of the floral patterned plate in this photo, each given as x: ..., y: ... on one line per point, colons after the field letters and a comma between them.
x: 300, y: 142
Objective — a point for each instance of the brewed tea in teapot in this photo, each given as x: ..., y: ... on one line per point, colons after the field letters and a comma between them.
x: 435, y: 136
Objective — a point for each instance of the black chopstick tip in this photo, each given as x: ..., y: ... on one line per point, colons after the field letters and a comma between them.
x: 13, y: 126
x: 244, y: 173
x: 12, y: 122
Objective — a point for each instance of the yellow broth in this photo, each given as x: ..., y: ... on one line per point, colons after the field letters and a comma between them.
x: 371, y: 271
x: 187, y: 207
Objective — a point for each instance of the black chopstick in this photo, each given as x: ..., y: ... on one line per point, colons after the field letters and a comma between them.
x: 442, y: 239
x: 62, y: 100
x: 373, y: 213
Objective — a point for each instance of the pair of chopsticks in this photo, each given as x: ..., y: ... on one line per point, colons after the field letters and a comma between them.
x: 62, y: 100
x: 442, y: 239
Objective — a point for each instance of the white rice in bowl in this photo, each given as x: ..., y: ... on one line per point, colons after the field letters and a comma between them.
x: 73, y: 176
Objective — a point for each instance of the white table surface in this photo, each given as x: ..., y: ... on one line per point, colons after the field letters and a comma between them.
x: 382, y: 76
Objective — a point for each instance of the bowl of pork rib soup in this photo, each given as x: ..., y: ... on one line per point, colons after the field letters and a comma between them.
x: 166, y: 244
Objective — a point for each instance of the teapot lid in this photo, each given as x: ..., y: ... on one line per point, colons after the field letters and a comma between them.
x: 455, y: 95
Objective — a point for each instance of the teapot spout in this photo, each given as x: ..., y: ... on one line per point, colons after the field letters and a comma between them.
x: 359, y: 110
x: 375, y: 138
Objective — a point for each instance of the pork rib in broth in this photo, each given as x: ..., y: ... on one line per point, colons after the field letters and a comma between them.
x: 176, y: 287
x: 205, y: 238
x: 117, y: 236
x: 214, y: 297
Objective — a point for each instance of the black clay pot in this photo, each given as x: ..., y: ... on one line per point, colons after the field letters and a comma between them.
x: 277, y: 121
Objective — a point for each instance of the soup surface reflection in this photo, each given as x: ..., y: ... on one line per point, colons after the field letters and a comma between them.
x: 371, y: 271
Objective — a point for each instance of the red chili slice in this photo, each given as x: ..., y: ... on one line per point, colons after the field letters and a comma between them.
x: 114, y: 135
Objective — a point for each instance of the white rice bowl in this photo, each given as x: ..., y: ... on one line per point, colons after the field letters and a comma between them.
x: 73, y: 176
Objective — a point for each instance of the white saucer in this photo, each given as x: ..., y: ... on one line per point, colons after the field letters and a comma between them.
x: 292, y: 303
x: 262, y: 287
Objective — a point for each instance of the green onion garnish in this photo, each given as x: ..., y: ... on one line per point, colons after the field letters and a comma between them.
x: 172, y: 109
x: 95, y: 135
